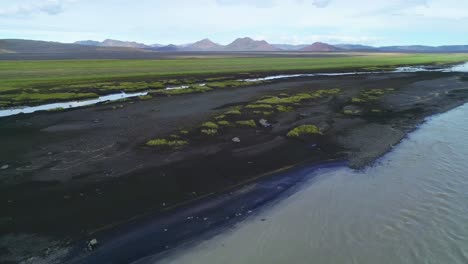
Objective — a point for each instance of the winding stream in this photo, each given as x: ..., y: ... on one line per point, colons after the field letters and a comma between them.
x: 122, y: 95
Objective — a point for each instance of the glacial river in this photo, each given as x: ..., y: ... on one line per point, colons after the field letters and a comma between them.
x: 410, y: 207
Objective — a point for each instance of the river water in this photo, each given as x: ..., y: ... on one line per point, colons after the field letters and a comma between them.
x: 410, y: 207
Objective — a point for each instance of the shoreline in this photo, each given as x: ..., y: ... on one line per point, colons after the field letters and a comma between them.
x: 360, y: 138
x: 191, y: 222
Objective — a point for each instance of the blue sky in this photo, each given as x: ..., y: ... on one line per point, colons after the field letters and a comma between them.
x: 374, y: 22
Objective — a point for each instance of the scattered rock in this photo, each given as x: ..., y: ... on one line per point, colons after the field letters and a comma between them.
x: 236, y: 140
x: 4, y: 167
x: 264, y: 123
x: 92, y: 244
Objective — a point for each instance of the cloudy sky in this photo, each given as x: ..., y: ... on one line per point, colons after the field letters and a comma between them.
x: 375, y: 22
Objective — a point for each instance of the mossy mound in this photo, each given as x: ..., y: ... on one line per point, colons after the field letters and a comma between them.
x: 162, y: 142
x: 303, y: 131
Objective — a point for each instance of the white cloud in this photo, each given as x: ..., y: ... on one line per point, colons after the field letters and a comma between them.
x: 27, y: 8
x: 321, y: 3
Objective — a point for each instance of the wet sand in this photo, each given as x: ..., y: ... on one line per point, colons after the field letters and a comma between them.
x: 83, y: 170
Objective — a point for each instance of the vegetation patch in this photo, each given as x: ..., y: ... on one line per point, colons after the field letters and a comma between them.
x: 196, y: 89
x: 246, y: 123
x: 284, y: 109
x: 210, y: 124
x: 298, y: 98
x: 39, y: 98
x: 233, y: 112
x: 224, y: 123
x: 351, y: 112
x: 209, y: 132
x: 220, y: 117
x: 303, y: 130
x: 370, y: 96
x: 259, y: 106
x: 162, y: 142
x: 230, y: 84
x: 145, y: 97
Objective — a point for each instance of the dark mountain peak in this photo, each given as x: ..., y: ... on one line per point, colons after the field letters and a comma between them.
x: 248, y: 44
x: 204, y: 45
x: 170, y: 47
x: 320, y: 47
x: 120, y: 43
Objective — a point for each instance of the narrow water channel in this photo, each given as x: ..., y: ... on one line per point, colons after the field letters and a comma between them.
x: 122, y: 95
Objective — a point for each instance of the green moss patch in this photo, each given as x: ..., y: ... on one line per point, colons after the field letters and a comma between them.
x: 210, y: 124
x: 190, y: 90
x: 162, y: 142
x: 304, y: 130
x: 229, y: 84
x: 209, y: 132
x: 233, y: 112
x: 145, y: 97
x: 246, y: 123
x: 38, y: 98
x: 224, y: 123
x: 258, y: 106
x: 284, y: 109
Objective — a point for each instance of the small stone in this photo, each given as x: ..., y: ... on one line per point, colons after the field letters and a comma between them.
x: 4, y: 167
x: 236, y: 140
x: 92, y: 244
x: 264, y: 123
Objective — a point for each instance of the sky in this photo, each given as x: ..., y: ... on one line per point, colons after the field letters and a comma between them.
x: 370, y: 22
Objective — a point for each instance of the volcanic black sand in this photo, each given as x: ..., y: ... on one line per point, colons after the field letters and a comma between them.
x: 66, y: 175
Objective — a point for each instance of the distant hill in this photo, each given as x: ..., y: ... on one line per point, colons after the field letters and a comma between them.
x: 420, y: 48
x: 170, y: 47
x: 248, y: 44
x: 354, y: 47
x: 125, y: 49
x: 289, y: 46
x: 320, y: 47
x: 33, y: 46
x: 88, y: 43
x: 31, y: 49
x: 113, y: 43
x: 204, y: 45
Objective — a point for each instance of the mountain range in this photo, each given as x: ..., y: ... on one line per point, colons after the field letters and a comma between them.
x: 249, y: 44
x: 98, y: 48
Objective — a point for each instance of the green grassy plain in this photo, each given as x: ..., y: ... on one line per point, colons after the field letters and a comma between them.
x: 106, y: 76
